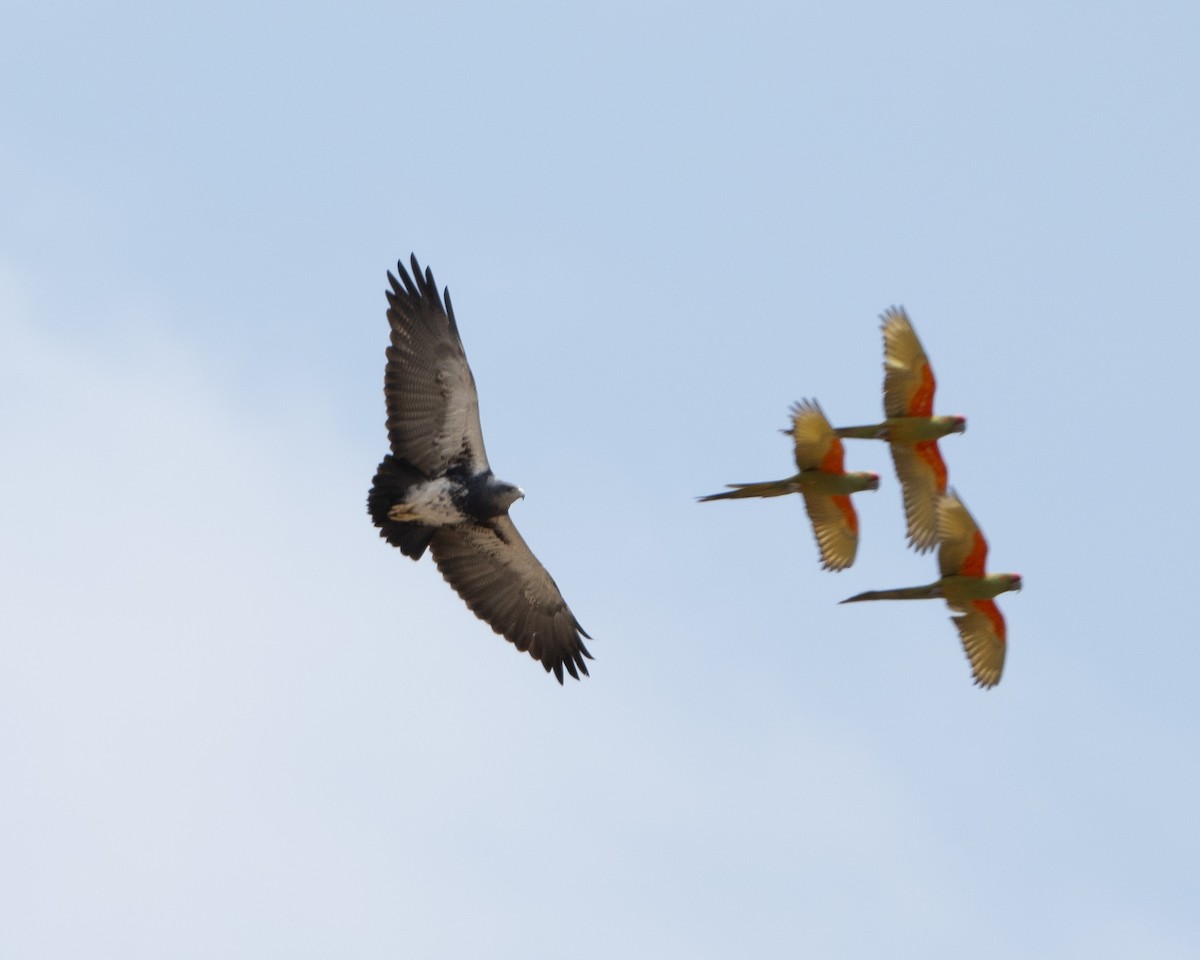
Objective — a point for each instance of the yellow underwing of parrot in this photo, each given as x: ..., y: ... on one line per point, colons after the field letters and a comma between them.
x: 822, y: 481
x: 967, y: 588
x: 911, y: 429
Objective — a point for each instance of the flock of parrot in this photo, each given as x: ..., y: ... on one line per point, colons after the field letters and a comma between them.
x: 935, y: 515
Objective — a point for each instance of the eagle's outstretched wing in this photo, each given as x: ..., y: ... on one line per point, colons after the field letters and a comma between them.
x: 492, y: 568
x: 432, y: 406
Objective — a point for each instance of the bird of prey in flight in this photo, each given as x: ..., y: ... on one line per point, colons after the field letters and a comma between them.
x: 436, y: 490
x: 967, y: 588
x: 822, y: 481
x: 911, y: 429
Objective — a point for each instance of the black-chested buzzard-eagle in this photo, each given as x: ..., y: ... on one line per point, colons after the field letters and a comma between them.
x: 436, y: 490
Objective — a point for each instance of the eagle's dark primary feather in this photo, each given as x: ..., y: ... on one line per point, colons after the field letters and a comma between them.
x: 492, y: 568
x: 432, y: 406
x: 436, y: 490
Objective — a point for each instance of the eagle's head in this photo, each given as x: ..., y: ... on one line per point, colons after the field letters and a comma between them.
x: 490, y: 497
x: 508, y: 494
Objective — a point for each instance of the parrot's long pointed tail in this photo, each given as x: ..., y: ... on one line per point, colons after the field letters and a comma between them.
x: 771, y: 488
x: 927, y: 592
x: 874, y: 431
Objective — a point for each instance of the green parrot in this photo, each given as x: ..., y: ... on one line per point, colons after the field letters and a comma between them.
x: 966, y: 588
x: 822, y: 481
x: 911, y: 429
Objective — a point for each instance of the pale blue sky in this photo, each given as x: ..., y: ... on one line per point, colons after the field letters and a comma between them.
x: 234, y: 723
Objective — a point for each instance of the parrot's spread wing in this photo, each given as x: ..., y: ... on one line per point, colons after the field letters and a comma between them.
x: 922, y: 474
x: 908, y: 381
x: 835, y: 524
x: 963, y: 550
x: 984, y: 638
x: 817, y: 446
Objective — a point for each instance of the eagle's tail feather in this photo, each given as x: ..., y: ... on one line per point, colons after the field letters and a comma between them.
x: 392, y: 482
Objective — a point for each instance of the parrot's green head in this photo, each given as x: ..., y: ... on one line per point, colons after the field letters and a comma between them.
x: 862, y: 480
x: 954, y: 424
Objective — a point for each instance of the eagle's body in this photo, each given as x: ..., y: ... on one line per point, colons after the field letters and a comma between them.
x: 451, y: 499
x: 436, y: 490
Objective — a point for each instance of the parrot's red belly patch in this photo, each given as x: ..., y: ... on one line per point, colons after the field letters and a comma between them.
x: 921, y: 404
x: 843, y: 503
x: 834, y: 460
x: 928, y: 451
x: 973, y: 566
x: 989, y: 609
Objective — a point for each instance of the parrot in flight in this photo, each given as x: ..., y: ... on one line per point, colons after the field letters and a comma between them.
x: 822, y: 481
x: 966, y: 588
x: 911, y: 429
